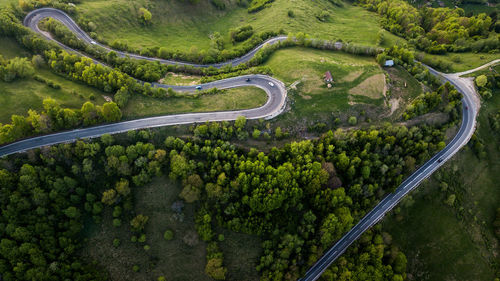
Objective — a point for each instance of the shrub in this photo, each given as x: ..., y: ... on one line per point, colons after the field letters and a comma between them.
x: 168, y: 235
x: 257, y: 5
x: 116, y: 242
x: 352, y: 120
x: 481, y: 81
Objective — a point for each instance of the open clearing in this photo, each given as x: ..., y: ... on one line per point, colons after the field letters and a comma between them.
x: 231, y: 99
x: 313, y: 101
x: 173, y: 259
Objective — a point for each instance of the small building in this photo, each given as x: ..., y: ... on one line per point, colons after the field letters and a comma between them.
x: 328, y: 77
x: 389, y: 63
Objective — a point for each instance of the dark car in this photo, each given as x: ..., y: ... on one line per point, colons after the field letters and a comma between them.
x: 440, y: 160
x: 248, y: 79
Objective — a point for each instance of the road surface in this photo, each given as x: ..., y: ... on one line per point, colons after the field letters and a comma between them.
x: 275, y: 104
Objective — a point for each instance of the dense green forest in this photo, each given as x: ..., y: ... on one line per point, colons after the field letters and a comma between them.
x: 299, y: 198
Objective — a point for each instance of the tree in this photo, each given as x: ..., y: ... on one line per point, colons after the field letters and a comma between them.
x: 240, y: 122
x: 215, y: 269
x: 109, y: 197
x: 111, y: 112
x: 89, y: 114
x: 139, y: 222
x: 256, y: 134
x: 192, y: 188
x: 145, y: 16
x: 122, y: 187
x: 72, y: 212
x: 179, y: 166
x: 107, y: 139
x: 481, y: 81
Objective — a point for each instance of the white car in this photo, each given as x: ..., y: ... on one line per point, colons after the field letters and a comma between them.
x: 92, y: 42
x: 271, y: 84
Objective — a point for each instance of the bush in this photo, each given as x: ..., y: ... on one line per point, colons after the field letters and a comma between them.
x: 257, y: 5
x: 352, y: 120
x: 135, y: 268
x: 241, y: 34
x: 291, y: 14
x: 168, y: 235
x: 116, y: 242
x: 117, y: 222
x: 481, y: 81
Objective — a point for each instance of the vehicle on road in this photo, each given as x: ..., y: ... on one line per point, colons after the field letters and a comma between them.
x: 271, y: 84
x: 198, y: 87
x: 93, y: 42
x: 440, y: 160
x: 466, y: 108
x: 248, y: 79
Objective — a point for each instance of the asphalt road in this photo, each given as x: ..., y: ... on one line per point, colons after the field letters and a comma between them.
x: 274, y: 106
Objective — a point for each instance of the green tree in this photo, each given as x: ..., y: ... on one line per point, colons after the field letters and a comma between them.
x: 139, y: 222
x: 145, y: 16
x: 215, y: 269
x: 240, y: 122
x: 109, y: 197
x: 481, y: 81
x: 111, y: 112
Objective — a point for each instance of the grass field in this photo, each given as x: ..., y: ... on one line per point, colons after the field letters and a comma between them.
x: 354, y: 78
x: 232, y: 99
x: 178, y: 25
x: 465, y: 61
x: 173, y: 259
x: 454, y: 243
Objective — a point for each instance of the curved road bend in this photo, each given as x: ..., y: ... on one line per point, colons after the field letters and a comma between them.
x: 470, y: 109
x: 35, y: 16
x: 274, y: 106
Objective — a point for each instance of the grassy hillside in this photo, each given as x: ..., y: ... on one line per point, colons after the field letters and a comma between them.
x: 180, y: 25
x: 18, y: 96
x: 358, y: 85
x: 456, y: 242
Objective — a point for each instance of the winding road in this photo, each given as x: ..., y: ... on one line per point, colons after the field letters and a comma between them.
x: 274, y: 106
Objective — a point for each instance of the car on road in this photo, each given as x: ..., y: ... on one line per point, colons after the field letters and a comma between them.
x: 93, y: 42
x: 466, y: 108
x: 248, y: 79
x: 440, y: 160
x: 271, y: 84
x: 198, y: 87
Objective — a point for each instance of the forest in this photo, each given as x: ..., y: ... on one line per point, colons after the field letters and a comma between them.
x: 326, y: 184
x: 437, y: 30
